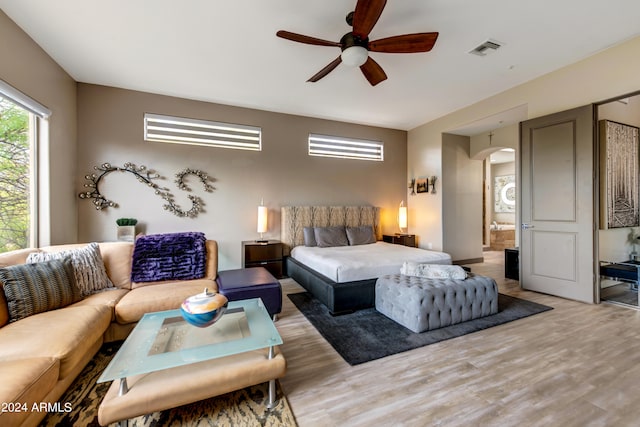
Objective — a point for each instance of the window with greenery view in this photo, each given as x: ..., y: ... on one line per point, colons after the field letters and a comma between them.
x: 15, y: 175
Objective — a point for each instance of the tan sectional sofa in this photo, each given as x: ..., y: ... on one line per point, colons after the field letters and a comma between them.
x: 42, y: 354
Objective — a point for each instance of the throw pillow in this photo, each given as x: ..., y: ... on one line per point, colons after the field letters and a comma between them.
x: 173, y: 256
x: 433, y: 271
x: 89, y: 270
x: 362, y: 235
x: 327, y: 237
x: 309, y: 237
x: 38, y: 287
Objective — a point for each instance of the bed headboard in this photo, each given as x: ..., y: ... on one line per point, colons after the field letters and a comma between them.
x: 295, y: 218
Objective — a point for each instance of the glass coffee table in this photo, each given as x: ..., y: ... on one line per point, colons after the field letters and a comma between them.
x: 164, y: 340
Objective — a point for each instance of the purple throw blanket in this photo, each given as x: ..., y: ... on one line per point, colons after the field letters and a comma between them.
x: 176, y: 256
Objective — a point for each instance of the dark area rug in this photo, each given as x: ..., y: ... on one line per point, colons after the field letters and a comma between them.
x: 244, y: 407
x: 620, y: 294
x: 367, y: 335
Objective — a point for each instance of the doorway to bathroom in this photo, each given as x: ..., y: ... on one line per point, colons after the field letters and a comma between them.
x: 499, y: 195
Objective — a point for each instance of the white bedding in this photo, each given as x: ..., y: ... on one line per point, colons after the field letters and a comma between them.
x: 349, y: 263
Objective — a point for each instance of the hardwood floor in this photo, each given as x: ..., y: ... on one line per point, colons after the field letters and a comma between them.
x: 576, y: 365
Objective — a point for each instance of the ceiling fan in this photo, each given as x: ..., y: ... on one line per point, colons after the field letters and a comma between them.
x: 356, y: 46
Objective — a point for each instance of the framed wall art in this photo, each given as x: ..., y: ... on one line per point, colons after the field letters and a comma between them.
x: 618, y: 175
x: 422, y: 185
x: 504, y: 199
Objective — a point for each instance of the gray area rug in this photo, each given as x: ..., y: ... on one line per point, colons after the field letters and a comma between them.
x: 240, y: 408
x: 367, y: 335
x: 620, y: 294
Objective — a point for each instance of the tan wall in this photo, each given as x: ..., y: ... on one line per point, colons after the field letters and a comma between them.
x: 110, y: 129
x: 29, y: 69
x: 603, y: 76
x: 507, y: 137
x: 461, y: 182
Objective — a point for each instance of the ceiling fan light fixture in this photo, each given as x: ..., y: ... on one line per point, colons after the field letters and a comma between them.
x: 354, y: 56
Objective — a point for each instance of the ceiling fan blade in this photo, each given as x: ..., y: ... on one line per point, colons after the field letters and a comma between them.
x: 326, y: 70
x: 366, y: 15
x: 408, y: 43
x: 305, y: 39
x: 373, y: 72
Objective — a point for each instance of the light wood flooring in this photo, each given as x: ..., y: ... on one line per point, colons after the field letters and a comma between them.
x: 576, y: 365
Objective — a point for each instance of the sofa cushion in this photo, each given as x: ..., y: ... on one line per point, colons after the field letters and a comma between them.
x: 108, y: 298
x: 211, y: 269
x: 91, y: 275
x: 76, y: 331
x: 173, y: 256
x: 18, y: 256
x: 167, y: 296
x: 35, y: 288
x: 25, y: 382
x: 168, y: 388
x: 117, y: 261
x: 4, y: 309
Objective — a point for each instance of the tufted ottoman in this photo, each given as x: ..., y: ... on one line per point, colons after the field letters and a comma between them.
x: 422, y: 304
x: 255, y: 282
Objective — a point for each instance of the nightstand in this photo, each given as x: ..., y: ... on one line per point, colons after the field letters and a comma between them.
x: 263, y: 254
x: 511, y: 264
x: 400, y: 239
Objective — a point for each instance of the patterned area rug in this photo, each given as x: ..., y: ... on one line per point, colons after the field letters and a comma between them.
x: 244, y: 407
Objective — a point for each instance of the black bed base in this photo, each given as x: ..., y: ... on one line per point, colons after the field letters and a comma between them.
x: 340, y: 298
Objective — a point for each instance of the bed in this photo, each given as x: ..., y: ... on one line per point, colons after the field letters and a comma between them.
x: 343, y: 277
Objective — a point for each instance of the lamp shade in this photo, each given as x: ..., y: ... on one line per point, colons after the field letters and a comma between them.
x: 402, y: 216
x: 262, y: 219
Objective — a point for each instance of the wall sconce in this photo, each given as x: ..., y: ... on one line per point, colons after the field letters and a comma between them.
x: 262, y: 221
x: 402, y: 217
x: 432, y: 182
x: 412, y: 186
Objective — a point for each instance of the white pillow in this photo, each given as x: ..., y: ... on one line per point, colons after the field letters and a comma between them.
x: 89, y: 270
x: 433, y: 271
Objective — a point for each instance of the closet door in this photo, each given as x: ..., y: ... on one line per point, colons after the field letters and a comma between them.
x: 557, y: 214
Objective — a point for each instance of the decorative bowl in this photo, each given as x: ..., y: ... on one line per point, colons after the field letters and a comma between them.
x: 204, y: 309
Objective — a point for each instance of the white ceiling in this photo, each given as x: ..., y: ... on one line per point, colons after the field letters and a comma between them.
x: 227, y: 52
x: 503, y: 156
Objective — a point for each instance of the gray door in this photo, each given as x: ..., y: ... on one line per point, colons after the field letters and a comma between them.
x: 557, y: 215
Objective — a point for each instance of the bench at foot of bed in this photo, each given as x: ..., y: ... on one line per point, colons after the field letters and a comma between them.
x: 422, y: 304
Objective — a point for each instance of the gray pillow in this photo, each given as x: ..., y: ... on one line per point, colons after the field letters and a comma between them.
x: 362, y: 235
x: 327, y: 237
x: 35, y: 288
x: 309, y: 237
x: 90, y: 272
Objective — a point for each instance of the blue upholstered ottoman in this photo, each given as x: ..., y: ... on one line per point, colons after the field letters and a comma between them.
x: 255, y: 282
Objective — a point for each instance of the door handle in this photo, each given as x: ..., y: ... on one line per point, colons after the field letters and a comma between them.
x: 526, y: 226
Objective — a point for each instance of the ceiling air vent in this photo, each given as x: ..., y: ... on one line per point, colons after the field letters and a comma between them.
x: 485, y: 48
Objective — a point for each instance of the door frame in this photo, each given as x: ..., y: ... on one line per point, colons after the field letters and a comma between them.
x: 596, y: 195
